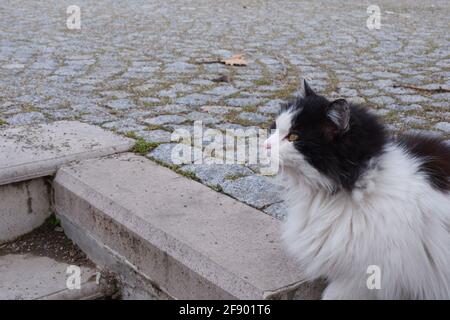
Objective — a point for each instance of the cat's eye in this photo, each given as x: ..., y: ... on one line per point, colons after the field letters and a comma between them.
x: 293, y: 137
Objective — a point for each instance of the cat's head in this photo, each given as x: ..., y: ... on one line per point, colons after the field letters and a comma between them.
x: 326, y: 143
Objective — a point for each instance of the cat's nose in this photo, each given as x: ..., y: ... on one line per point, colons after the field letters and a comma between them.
x: 267, y: 144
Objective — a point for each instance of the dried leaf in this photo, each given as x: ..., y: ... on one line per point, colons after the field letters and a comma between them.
x: 237, y: 60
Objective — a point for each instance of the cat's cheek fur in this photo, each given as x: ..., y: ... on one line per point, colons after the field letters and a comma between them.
x: 300, y: 169
x: 392, y: 219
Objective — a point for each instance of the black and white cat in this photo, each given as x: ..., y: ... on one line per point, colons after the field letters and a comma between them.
x: 358, y: 198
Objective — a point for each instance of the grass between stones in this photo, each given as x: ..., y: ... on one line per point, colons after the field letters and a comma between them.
x: 188, y: 174
x: 262, y: 82
x: 151, y: 127
x: 235, y: 177
x: 3, y: 122
x: 285, y: 93
x: 141, y: 146
x: 232, y: 117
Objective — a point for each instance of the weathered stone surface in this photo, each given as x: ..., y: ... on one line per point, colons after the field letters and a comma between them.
x: 180, y: 67
x: 165, y: 119
x: 163, y: 153
x: 26, y: 118
x: 196, y: 99
x: 157, y: 136
x: 171, y: 108
x: 123, y: 126
x: 411, y: 107
x: 412, y: 120
x: 97, y: 118
x: 120, y: 104
x: 430, y: 133
x: 223, y: 91
x: 264, y: 192
x: 28, y: 152
x: 253, y: 117
x: 24, y: 206
x: 126, y: 75
x: 116, y: 94
x: 383, y: 100
x: 244, y: 102
x: 277, y: 210
x: 13, y: 66
x: 443, y: 126
x: 29, y: 277
x: 191, y: 247
x: 150, y: 100
x: 219, y: 109
x: 215, y: 174
x: 204, y: 117
x: 412, y: 98
x: 273, y: 107
x: 381, y: 112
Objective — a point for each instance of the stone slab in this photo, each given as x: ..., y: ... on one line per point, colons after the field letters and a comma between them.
x: 23, y: 206
x: 29, y: 277
x: 133, y: 284
x: 191, y: 241
x: 33, y: 151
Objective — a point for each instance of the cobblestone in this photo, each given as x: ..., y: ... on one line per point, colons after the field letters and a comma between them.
x: 165, y: 119
x: 276, y: 210
x: 26, y: 118
x: 204, y: 117
x: 244, y: 102
x: 120, y: 104
x: 253, y: 117
x: 197, y: 99
x: 444, y: 126
x: 264, y: 192
x: 123, y: 126
x: 155, y: 136
x: 216, y: 174
x: 163, y: 153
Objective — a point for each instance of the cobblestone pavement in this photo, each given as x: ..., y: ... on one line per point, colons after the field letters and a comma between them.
x: 135, y: 67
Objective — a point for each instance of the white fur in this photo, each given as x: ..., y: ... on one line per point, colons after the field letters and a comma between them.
x: 393, y: 219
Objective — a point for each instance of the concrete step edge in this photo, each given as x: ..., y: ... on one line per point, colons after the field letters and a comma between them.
x: 87, y: 208
x: 132, y: 282
x: 33, y: 151
x: 30, y: 155
x: 88, y: 195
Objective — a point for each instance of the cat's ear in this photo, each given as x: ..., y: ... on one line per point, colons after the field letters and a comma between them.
x: 306, y: 91
x: 339, y: 113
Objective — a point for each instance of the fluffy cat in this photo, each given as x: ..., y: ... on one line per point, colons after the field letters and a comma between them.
x: 357, y: 197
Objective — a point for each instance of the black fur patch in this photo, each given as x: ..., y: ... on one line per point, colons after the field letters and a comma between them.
x: 434, y: 155
x: 342, y: 155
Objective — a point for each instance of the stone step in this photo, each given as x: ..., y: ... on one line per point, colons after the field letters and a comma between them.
x: 34, y: 151
x: 31, y: 277
x: 29, y: 154
x: 171, y: 237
